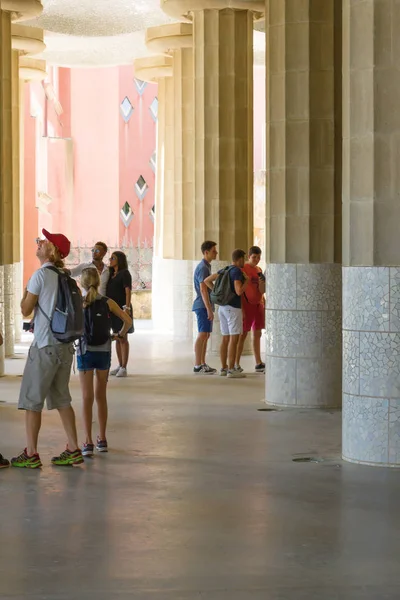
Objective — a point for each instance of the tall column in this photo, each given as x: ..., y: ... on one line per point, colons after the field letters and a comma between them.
x: 175, y: 222
x: 371, y: 244
x: 26, y: 42
x: 303, y: 329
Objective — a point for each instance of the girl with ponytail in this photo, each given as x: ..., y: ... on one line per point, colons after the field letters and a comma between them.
x: 94, y: 356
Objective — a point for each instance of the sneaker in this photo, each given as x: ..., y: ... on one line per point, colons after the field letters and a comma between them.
x: 239, y: 369
x: 235, y: 374
x: 115, y: 371
x: 87, y: 449
x: 204, y: 369
x: 4, y: 462
x: 260, y: 368
x: 223, y: 372
x: 68, y: 458
x: 101, y: 445
x: 122, y: 372
x: 209, y: 369
x: 24, y: 461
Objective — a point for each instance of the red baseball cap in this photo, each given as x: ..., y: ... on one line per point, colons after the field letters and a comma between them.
x: 59, y: 240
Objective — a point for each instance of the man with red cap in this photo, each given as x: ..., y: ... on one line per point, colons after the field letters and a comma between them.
x: 48, y: 367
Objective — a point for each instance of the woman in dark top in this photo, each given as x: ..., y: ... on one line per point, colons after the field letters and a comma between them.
x: 119, y: 289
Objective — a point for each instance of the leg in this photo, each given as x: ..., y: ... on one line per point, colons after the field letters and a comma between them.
x: 257, y: 346
x: 204, y: 350
x: 199, y: 348
x: 101, y: 400
x: 68, y: 420
x: 240, y: 346
x: 232, y: 348
x: 33, y: 421
x: 119, y: 352
x: 124, y: 352
x: 224, y: 351
x: 86, y: 381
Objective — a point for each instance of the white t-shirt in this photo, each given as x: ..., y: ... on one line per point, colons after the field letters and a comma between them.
x: 104, y: 275
x: 44, y: 283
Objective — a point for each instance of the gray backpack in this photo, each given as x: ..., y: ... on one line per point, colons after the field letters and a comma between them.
x: 222, y: 292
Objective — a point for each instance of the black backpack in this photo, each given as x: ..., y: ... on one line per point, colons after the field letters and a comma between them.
x: 222, y: 293
x: 97, y: 323
x: 66, y: 323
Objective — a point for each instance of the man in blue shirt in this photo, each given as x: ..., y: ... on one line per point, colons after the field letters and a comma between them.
x: 203, y: 308
x: 230, y: 315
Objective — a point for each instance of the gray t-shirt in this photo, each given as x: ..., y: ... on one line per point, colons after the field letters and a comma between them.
x: 44, y: 283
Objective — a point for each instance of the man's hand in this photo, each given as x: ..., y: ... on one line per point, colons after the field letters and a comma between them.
x: 210, y: 314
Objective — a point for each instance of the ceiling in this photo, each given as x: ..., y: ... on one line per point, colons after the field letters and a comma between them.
x: 94, y: 33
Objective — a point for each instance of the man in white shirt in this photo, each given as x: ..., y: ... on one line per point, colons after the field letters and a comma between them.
x: 48, y: 366
x: 99, y: 251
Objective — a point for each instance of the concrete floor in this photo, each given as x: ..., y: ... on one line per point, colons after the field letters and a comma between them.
x: 199, y: 498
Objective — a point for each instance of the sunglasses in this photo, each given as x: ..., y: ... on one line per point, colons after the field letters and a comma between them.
x: 40, y: 240
x: 96, y: 250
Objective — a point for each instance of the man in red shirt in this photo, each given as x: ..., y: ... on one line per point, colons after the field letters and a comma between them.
x: 253, y: 308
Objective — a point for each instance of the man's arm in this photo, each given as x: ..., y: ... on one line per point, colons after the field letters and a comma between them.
x: 28, y: 303
x: 76, y: 271
x: 240, y: 286
x: 209, y: 281
x: 261, y: 282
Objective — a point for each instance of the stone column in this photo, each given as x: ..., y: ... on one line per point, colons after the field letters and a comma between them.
x: 371, y: 244
x: 175, y: 221
x: 26, y: 42
x: 303, y: 329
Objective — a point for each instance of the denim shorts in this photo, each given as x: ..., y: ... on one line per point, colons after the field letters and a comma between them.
x: 91, y: 361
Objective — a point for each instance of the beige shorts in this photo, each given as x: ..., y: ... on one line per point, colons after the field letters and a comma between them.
x: 46, y: 377
x: 231, y: 320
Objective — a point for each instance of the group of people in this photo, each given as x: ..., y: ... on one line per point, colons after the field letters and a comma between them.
x: 106, y: 308
x: 242, y: 310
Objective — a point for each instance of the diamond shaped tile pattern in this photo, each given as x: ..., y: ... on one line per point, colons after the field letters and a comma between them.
x: 154, y: 109
x: 126, y: 109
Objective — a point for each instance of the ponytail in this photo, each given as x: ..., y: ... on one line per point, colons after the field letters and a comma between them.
x: 90, y: 281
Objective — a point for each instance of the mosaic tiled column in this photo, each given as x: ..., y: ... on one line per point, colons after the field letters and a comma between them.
x: 303, y: 317
x: 371, y: 217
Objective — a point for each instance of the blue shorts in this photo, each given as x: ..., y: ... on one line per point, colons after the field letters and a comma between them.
x: 204, y: 325
x: 91, y: 361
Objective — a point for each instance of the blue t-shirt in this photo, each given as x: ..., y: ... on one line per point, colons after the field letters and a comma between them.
x: 235, y: 274
x: 202, y: 271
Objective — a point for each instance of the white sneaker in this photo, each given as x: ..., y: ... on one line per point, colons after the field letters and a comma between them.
x: 239, y: 369
x: 223, y: 372
x: 122, y: 372
x: 115, y: 371
x: 236, y: 374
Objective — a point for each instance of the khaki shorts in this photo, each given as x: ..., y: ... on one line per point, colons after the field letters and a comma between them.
x: 46, y: 377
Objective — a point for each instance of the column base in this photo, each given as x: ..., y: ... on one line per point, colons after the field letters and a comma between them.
x: 8, y: 310
x: 371, y: 365
x: 173, y: 297
x: 18, y: 321
x: 303, y: 335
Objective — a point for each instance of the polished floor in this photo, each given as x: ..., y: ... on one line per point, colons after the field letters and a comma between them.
x: 199, y: 498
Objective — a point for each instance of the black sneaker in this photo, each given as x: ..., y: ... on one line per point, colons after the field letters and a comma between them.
x: 4, y: 463
x: 209, y: 369
x: 260, y: 368
x: 204, y: 369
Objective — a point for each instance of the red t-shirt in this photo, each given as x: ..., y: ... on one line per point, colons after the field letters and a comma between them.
x: 252, y: 293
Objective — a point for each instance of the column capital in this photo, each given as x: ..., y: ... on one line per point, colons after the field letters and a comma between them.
x: 22, y: 10
x: 152, y: 68
x: 165, y: 39
x: 182, y: 9
x: 27, y: 40
x: 32, y: 69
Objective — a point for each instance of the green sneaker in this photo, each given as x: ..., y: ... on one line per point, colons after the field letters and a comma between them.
x: 68, y: 458
x: 23, y: 461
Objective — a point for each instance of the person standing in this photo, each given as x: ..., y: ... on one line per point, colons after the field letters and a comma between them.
x: 94, y: 354
x: 203, y: 308
x: 99, y: 251
x: 48, y: 367
x: 230, y: 315
x: 253, y: 309
x: 119, y: 289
